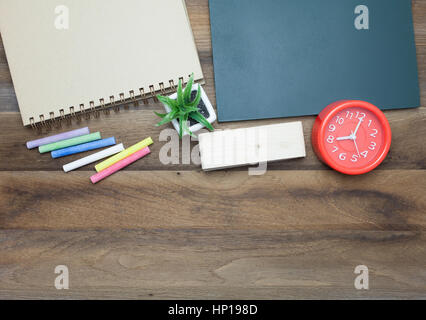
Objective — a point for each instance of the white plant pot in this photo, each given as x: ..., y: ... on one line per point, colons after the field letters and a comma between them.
x: 198, y: 126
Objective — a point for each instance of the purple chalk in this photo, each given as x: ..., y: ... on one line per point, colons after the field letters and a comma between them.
x: 58, y: 137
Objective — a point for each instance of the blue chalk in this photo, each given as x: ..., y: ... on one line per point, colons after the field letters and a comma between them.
x: 83, y: 147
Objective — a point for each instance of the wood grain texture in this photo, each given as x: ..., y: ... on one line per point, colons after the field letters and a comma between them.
x: 199, y: 263
x: 279, y: 200
x: 159, y: 231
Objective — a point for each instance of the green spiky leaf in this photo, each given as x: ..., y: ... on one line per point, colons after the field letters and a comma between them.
x: 180, y: 100
x: 185, y: 126
x: 172, y: 103
x: 161, y: 115
x: 167, y: 118
x: 188, y: 90
x: 189, y: 109
x: 197, y: 99
x: 197, y: 116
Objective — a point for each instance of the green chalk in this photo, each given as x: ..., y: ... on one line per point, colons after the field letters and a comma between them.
x: 70, y: 142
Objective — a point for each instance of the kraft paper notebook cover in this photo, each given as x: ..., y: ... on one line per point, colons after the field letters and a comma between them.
x: 281, y: 58
x: 117, y: 51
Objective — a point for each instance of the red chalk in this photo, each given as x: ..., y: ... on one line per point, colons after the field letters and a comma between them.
x: 120, y: 165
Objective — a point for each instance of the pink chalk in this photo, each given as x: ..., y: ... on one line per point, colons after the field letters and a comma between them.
x: 120, y: 165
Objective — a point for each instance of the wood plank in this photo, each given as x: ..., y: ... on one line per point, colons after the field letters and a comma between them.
x: 421, y: 67
x: 279, y: 200
x: 408, y: 149
x: 189, y: 264
x: 419, y: 17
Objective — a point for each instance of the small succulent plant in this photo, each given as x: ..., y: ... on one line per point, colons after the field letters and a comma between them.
x: 183, y: 108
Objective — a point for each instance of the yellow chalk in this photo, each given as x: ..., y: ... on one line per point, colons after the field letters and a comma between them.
x: 123, y: 154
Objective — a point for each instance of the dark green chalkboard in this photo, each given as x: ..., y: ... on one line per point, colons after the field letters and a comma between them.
x: 282, y: 58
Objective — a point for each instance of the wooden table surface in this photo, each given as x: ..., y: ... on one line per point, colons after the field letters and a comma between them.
x: 158, y: 231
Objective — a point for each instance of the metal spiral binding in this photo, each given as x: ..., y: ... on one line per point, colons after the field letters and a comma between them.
x: 86, y: 113
x: 143, y: 95
x: 112, y: 104
x: 172, y: 85
x: 152, y: 91
x: 32, y: 123
x: 103, y: 106
x: 123, y: 101
x: 72, y: 113
x: 62, y: 116
x: 133, y: 98
x: 93, y: 110
x: 53, y: 121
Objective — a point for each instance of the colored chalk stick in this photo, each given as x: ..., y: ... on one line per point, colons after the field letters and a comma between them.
x: 136, y: 147
x: 119, y: 165
x: 93, y: 157
x: 59, y: 137
x: 83, y: 147
x: 69, y: 142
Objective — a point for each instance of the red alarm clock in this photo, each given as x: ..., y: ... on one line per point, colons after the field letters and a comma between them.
x: 352, y: 137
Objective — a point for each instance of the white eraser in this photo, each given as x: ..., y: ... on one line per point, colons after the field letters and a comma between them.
x: 246, y: 146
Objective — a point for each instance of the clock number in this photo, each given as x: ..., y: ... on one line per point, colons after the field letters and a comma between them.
x: 349, y: 113
x: 330, y: 139
x: 331, y: 128
x: 372, y: 146
x: 364, y: 154
x: 354, y: 158
x: 375, y: 133
x: 342, y: 156
x: 369, y: 123
x: 340, y: 120
x: 335, y: 149
x: 363, y: 116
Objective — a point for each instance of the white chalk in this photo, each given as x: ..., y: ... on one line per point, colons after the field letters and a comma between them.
x: 93, y: 157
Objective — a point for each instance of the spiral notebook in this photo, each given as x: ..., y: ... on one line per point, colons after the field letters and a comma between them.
x: 71, y: 57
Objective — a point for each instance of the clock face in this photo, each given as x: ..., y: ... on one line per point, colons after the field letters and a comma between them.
x: 352, y: 137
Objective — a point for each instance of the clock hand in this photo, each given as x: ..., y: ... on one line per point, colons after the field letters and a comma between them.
x: 357, y: 127
x: 356, y: 146
x: 351, y: 137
